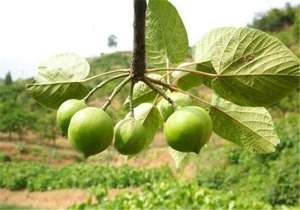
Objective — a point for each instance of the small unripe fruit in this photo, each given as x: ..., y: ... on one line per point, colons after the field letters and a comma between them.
x: 180, y: 99
x: 66, y: 111
x: 91, y: 131
x: 130, y: 136
x: 188, y: 129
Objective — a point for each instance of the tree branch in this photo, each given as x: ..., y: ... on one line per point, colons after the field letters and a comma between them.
x: 139, y: 58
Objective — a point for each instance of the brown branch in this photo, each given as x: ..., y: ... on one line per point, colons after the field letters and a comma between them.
x: 139, y: 58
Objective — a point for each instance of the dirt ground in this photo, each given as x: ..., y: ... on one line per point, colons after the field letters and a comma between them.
x: 63, y: 154
x: 56, y: 199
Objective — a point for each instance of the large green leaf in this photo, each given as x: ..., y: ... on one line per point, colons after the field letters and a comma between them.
x: 250, y: 127
x: 254, y: 68
x: 59, y: 78
x: 63, y: 67
x: 53, y: 95
x: 166, y: 37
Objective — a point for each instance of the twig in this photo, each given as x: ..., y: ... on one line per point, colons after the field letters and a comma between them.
x: 103, y: 83
x: 173, y: 88
x: 116, y: 91
x: 183, y: 70
x: 156, y: 89
x: 105, y: 73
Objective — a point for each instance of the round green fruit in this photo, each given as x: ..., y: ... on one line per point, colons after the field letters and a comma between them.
x: 180, y: 99
x: 66, y: 111
x: 188, y: 129
x: 91, y: 131
x: 130, y: 136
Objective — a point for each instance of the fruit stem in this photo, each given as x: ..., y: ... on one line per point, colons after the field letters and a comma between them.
x: 139, y: 59
x: 168, y: 72
x: 159, y: 91
x: 183, y: 70
x: 116, y: 91
x: 106, y: 73
x: 131, y: 97
x: 103, y: 83
x: 173, y: 88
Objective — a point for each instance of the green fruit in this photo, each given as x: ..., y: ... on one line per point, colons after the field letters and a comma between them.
x: 66, y: 111
x: 130, y: 136
x: 91, y: 131
x: 180, y: 99
x: 188, y: 129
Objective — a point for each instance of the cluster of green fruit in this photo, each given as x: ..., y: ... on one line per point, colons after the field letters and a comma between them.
x: 90, y: 130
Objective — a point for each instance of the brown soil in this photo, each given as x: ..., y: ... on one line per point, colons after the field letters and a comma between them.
x: 56, y: 199
x: 39, y: 153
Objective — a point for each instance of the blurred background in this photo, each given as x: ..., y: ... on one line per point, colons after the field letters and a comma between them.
x: 38, y: 167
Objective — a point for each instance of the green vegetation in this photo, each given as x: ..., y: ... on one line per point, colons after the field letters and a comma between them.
x: 271, y: 177
x: 38, y: 177
x: 172, y: 195
x: 14, y: 207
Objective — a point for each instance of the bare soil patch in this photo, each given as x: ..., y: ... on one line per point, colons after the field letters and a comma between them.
x: 56, y: 199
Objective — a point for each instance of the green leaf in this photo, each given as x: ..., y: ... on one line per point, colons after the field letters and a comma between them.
x: 186, y: 81
x: 142, y: 93
x: 203, y: 49
x: 254, y: 68
x: 166, y: 37
x: 53, y: 95
x: 63, y: 67
x: 151, y: 118
x: 250, y: 127
x: 59, y: 78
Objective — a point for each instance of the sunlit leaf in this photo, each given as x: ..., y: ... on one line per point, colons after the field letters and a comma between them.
x: 60, y: 78
x: 254, y: 68
x: 250, y: 127
x: 166, y: 37
x: 62, y: 67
